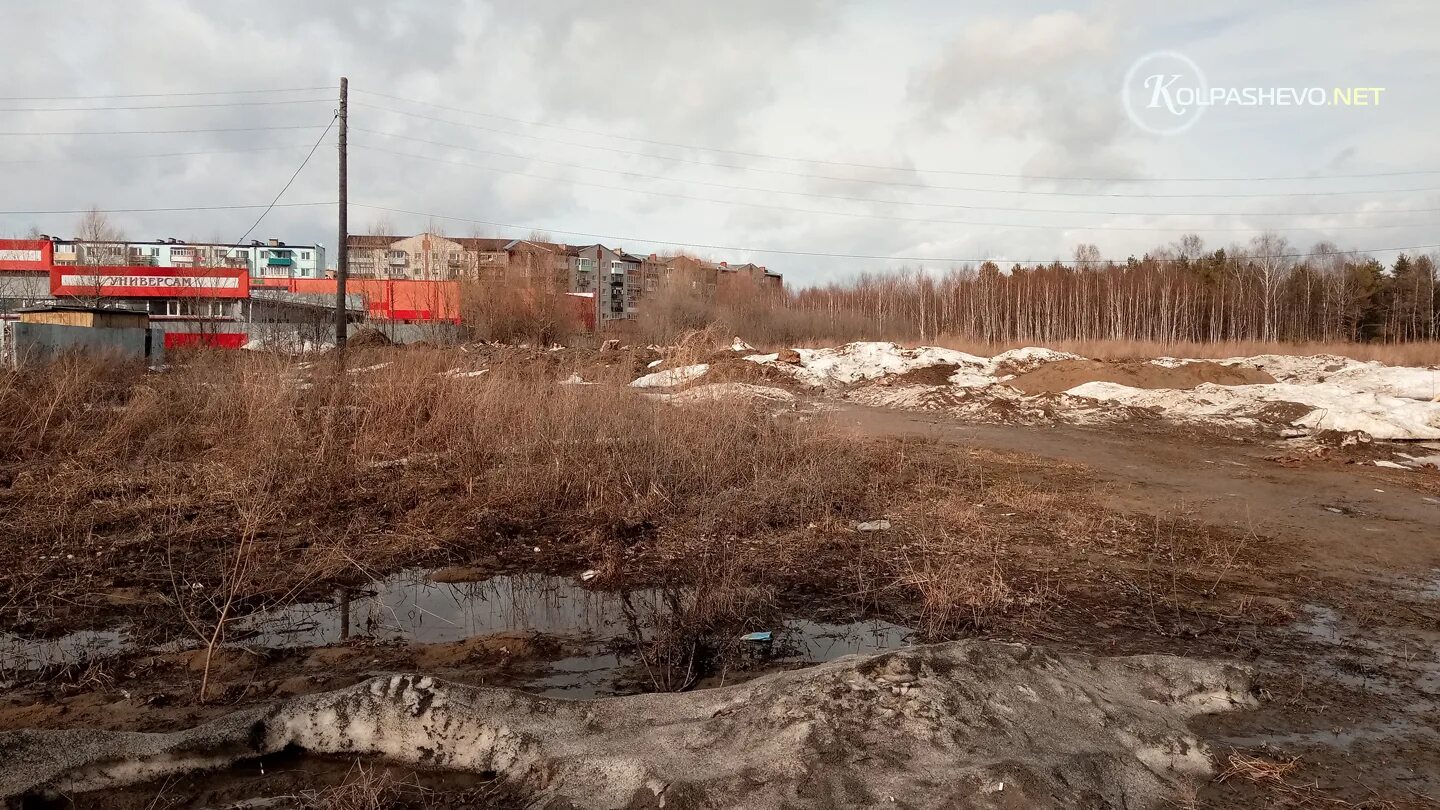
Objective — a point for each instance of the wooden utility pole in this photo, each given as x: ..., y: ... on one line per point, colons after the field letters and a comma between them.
x: 342, y: 258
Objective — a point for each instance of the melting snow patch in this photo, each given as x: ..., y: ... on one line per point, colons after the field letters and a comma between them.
x: 672, y: 376
x: 728, y: 391
x: 854, y: 362
x: 367, y: 369
x: 1019, y: 361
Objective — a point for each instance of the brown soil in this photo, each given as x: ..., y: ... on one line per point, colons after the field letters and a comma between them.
x: 1053, y: 378
x: 926, y: 375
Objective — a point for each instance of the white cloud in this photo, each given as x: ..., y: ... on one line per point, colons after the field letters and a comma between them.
x: 1013, y: 87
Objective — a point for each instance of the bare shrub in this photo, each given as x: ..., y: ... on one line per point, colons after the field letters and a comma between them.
x: 513, y: 313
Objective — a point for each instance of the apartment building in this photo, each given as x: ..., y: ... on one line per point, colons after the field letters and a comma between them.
x: 621, y: 280
x: 270, y: 259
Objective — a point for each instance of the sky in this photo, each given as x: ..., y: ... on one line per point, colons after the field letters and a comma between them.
x: 817, y: 137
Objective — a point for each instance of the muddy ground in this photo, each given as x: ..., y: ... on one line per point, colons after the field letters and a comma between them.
x: 1324, y: 575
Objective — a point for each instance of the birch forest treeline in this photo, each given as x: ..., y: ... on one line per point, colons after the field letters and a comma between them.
x: 1265, y: 290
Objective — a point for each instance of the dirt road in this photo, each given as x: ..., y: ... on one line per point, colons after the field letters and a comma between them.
x: 1355, y: 520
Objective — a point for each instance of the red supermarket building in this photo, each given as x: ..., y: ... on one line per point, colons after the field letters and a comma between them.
x: 217, y: 306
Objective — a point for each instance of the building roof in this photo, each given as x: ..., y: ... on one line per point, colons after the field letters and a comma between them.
x: 370, y: 240
x: 480, y: 243
x: 82, y: 308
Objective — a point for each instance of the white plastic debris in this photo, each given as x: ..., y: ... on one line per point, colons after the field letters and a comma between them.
x: 871, y: 525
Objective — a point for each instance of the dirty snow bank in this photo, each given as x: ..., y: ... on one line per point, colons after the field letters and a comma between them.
x: 672, y: 376
x: 1388, y: 402
x: 729, y: 392
x: 1019, y: 361
x: 893, y: 728
x: 1342, y: 405
x: 854, y: 362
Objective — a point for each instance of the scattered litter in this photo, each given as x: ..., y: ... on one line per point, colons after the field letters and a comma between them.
x: 871, y: 526
x: 758, y: 637
x: 575, y: 379
x: 739, y: 345
x: 589, y: 575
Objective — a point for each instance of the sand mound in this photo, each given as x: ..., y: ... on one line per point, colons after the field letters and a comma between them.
x: 1053, y: 378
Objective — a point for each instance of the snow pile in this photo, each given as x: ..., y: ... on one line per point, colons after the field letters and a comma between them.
x: 729, y: 391
x: 286, y: 344
x: 854, y: 362
x: 1334, y: 406
x: 672, y: 376
x: 899, y: 725
x: 1019, y: 361
x: 1340, y: 394
x: 1285, y: 368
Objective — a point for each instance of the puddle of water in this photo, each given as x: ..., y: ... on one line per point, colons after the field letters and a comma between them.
x: 19, y: 654
x: 599, y: 629
x: 409, y: 607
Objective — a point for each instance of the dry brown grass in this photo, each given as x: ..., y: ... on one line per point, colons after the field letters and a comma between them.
x: 334, y: 471
x: 1256, y: 769
x: 245, y: 481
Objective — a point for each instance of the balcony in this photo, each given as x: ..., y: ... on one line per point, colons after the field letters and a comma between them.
x: 279, y: 261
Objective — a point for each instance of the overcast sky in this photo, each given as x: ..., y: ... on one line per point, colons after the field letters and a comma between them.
x: 628, y: 91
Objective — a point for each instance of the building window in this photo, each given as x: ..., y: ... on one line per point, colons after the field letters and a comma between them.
x: 585, y: 265
x: 172, y: 307
x: 305, y: 254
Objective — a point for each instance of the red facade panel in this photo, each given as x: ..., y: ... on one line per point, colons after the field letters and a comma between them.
x: 149, y: 282
x: 37, y: 255
x: 216, y: 340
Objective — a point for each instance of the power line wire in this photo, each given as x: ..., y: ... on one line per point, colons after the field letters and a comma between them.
x: 288, y: 183
x: 826, y: 255
x: 168, y: 106
x: 881, y: 167
x: 887, y: 217
x: 871, y: 200
x: 163, y: 209
x: 870, y: 181
x: 168, y: 131
x: 166, y: 95
x: 104, y: 158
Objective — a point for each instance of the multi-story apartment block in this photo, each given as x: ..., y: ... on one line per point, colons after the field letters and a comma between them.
x: 270, y: 259
x: 621, y: 281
